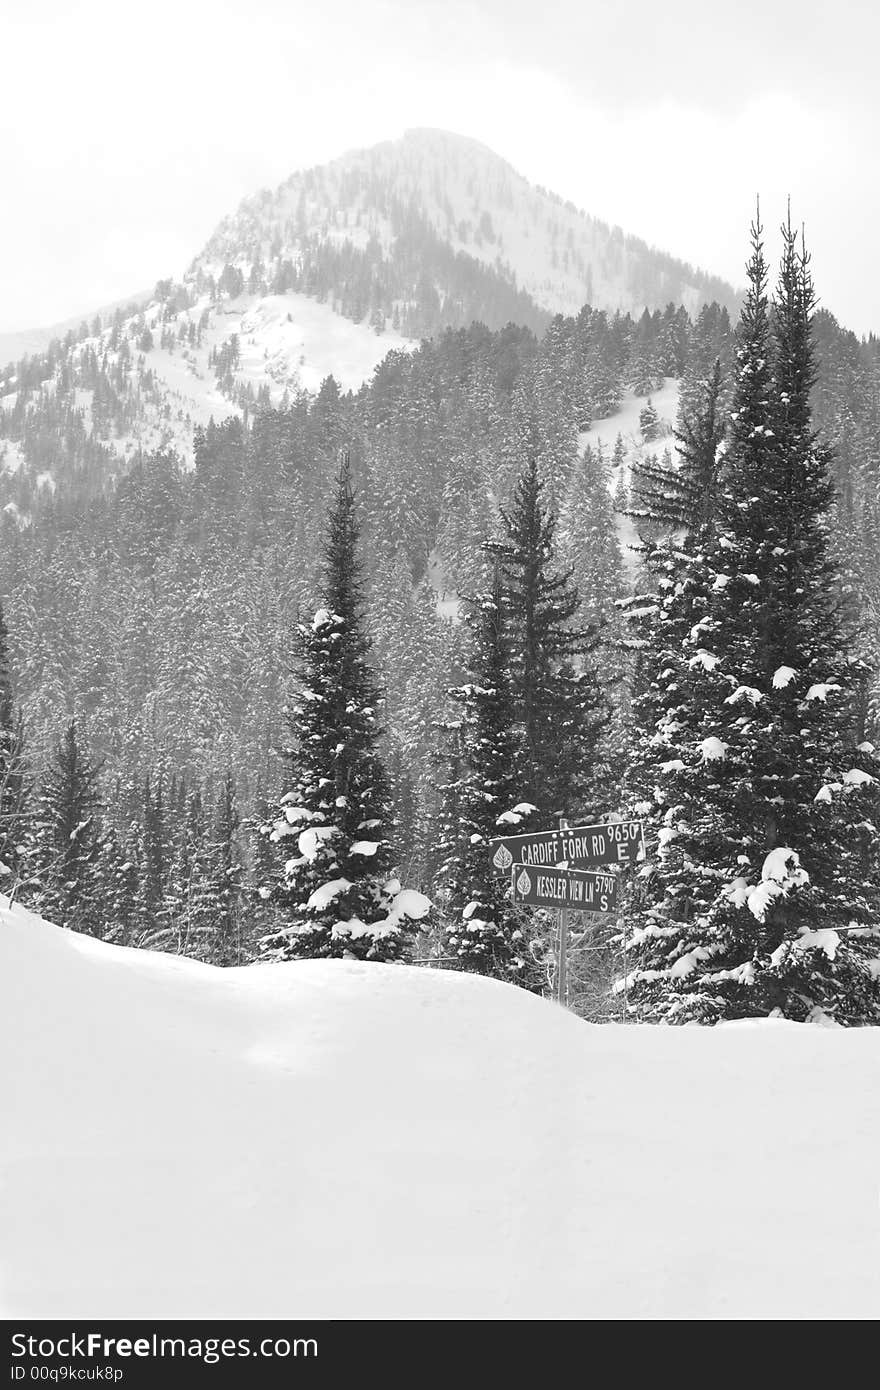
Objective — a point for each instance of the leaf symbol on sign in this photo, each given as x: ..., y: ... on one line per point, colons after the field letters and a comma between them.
x: 503, y: 857
x: 523, y: 883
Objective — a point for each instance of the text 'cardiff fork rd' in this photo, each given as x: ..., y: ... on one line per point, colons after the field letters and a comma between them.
x: 581, y: 847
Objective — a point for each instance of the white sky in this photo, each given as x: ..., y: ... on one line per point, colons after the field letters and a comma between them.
x: 127, y: 132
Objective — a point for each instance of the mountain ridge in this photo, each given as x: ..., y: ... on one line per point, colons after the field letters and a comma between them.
x: 29, y: 342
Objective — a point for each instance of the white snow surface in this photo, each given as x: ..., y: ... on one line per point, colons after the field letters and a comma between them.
x: 855, y: 777
x: 744, y: 692
x: 781, y: 872
x: 338, y: 1139
x: 408, y: 902
x: 783, y: 676
x: 327, y: 892
x: 820, y: 690
x: 310, y: 841
x: 11, y: 456
x: 708, y: 660
x: 626, y: 422
x: 287, y: 342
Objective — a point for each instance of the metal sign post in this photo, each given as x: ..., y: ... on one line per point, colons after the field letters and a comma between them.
x: 547, y: 869
x: 562, y: 963
x: 621, y: 922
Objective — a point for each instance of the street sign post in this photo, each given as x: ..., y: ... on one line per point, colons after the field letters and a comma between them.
x: 562, y: 942
x: 564, y: 888
x: 547, y: 869
x: 578, y: 846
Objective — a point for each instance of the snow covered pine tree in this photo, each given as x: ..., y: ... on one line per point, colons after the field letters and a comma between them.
x: 12, y: 775
x: 68, y: 841
x: 485, y: 933
x: 560, y: 705
x: 338, y: 892
x: 760, y: 797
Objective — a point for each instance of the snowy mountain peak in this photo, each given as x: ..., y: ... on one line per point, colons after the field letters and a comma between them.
x: 434, y: 191
x: 327, y: 274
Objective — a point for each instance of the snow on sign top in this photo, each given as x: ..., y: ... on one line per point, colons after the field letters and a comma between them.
x: 579, y: 847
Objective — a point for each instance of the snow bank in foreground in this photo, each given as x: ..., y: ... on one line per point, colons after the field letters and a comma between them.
x: 352, y: 1140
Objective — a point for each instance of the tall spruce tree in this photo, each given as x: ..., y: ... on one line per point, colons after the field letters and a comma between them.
x: 559, y: 701
x: 759, y: 795
x: 118, y: 876
x: 675, y: 517
x: 12, y: 776
x: 710, y: 338
x: 228, y: 943
x: 684, y: 495
x: 590, y: 541
x: 5, y: 676
x: 338, y: 895
x: 69, y: 839
x: 156, y: 857
x: 592, y: 549
x: 189, y: 908
x: 482, y: 800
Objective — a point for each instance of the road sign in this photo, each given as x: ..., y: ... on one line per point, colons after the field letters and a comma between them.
x: 581, y: 847
x: 562, y: 888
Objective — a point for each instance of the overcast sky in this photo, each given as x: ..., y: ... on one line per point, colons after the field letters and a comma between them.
x: 129, y: 131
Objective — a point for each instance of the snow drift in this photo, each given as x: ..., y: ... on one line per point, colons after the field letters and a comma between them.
x: 358, y: 1141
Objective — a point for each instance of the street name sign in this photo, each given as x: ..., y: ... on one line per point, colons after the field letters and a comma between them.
x: 581, y: 892
x: 580, y: 847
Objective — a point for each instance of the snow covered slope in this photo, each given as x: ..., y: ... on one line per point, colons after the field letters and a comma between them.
x: 625, y: 422
x: 287, y: 342
x: 603, y: 435
x: 161, y: 391
x: 348, y: 1140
